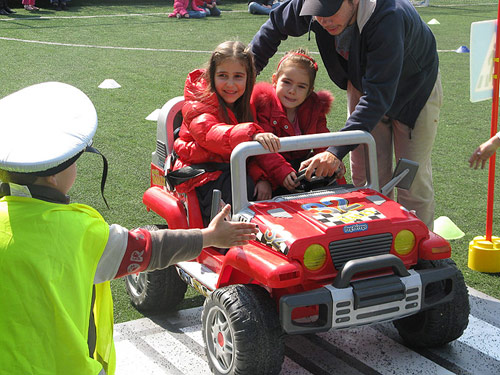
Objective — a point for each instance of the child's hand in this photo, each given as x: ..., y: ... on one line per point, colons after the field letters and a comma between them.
x: 224, y: 234
x: 289, y: 182
x: 483, y: 153
x: 268, y: 140
x: 263, y: 190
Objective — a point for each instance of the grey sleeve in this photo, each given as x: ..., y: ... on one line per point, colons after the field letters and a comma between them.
x: 174, y: 246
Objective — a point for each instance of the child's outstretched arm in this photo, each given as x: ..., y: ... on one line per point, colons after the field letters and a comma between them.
x: 222, y: 233
x: 484, y: 152
x: 140, y: 250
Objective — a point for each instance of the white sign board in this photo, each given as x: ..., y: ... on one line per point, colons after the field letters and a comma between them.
x: 482, y: 53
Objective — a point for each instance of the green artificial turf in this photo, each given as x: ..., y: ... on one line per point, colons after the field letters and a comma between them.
x: 149, y: 55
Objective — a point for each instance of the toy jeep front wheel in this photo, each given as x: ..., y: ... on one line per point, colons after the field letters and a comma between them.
x: 443, y: 323
x: 160, y: 290
x: 242, y: 332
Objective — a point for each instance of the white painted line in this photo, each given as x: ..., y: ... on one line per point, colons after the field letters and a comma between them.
x: 178, y: 354
x: 129, y: 360
x: 483, y: 337
x: 194, y: 333
x: 133, y: 48
x: 103, y: 47
x: 396, y: 358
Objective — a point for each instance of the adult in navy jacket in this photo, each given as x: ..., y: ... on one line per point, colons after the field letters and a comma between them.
x: 385, y: 56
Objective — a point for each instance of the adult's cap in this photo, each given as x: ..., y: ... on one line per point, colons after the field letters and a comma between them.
x: 44, y: 126
x: 322, y: 8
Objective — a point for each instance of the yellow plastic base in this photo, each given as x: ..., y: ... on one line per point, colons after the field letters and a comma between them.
x: 484, y: 256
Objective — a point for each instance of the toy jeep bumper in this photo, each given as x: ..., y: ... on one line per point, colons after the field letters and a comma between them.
x: 348, y: 303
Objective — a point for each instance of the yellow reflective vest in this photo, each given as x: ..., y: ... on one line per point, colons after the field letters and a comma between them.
x: 48, y: 257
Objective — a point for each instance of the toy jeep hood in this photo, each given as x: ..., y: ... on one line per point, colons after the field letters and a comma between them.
x: 328, y: 215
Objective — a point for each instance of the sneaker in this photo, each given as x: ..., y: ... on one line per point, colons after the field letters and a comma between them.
x: 178, y: 16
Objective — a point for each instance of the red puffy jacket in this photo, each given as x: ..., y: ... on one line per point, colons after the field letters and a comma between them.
x: 272, y: 117
x: 205, y: 136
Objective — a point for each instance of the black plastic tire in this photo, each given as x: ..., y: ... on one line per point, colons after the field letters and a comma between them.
x: 156, y: 291
x: 443, y: 323
x: 242, y: 332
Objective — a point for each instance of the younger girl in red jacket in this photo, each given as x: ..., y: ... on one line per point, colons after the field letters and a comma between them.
x: 216, y: 118
x: 289, y: 107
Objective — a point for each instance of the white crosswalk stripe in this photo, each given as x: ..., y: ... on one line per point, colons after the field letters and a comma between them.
x: 173, y: 344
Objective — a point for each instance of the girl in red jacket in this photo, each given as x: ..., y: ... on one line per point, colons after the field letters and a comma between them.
x: 216, y: 118
x: 289, y: 107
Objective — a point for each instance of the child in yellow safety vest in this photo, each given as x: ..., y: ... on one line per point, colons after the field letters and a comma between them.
x: 56, y: 257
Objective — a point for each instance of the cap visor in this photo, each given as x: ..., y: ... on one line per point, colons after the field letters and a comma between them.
x: 322, y: 8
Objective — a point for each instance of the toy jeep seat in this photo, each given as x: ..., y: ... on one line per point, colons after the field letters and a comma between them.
x: 169, y: 120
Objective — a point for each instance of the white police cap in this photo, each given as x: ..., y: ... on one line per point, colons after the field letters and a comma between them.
x: 45, y: 126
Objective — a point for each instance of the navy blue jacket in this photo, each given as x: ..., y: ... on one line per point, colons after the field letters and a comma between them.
x: 393, y: 61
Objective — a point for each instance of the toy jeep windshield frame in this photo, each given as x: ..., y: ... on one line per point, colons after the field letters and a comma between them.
x: 244, y: 150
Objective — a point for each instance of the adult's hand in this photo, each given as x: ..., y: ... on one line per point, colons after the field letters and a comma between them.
x: 323, y: 164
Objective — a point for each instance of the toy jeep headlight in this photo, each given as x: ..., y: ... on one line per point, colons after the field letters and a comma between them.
x: 314, y: 257
x: 404, y: 242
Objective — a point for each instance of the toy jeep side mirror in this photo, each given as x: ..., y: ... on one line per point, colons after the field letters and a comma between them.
x: 217, y: 203
x: 403, y: 176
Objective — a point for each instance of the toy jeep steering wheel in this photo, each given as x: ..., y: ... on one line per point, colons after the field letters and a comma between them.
x: 316, y: 182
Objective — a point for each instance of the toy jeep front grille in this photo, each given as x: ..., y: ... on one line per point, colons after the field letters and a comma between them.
x: 360, y: 247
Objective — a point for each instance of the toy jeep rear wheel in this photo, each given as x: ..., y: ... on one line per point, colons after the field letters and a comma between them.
x: 242, y: 332
x: 160, y: 290
x: 443, y: 323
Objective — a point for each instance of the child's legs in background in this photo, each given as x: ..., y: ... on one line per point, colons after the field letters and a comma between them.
x: 214, y: 12
x: 275, y: 5
x: 256, y: 8
x: 196, y: 14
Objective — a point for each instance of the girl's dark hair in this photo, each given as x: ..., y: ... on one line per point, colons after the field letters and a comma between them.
x: 241, y: 53
x: 302, y: 58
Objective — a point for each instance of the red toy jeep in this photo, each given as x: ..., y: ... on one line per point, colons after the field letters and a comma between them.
x: 335, y: 257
